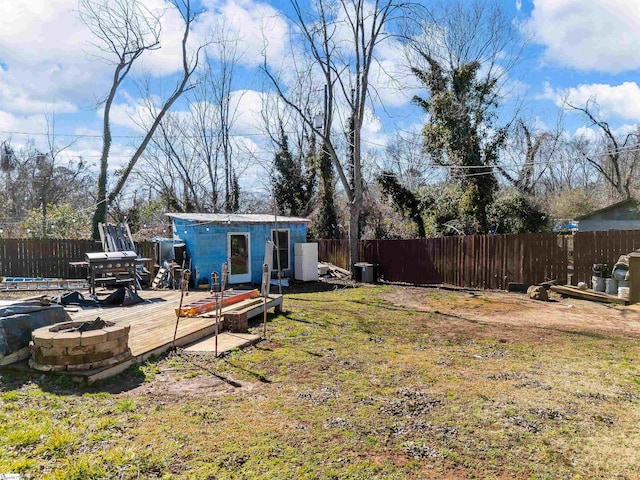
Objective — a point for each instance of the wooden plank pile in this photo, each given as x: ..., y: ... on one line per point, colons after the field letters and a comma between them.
x: 575, y: 292
x: 210, y: 303
x: 334, y: 271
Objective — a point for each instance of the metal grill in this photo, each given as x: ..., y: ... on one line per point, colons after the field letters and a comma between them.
x: 110, y: 267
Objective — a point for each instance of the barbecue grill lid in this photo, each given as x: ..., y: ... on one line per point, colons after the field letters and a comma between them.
x: 104, y: 256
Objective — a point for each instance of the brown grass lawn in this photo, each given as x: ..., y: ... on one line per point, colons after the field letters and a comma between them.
x: 369, y: 382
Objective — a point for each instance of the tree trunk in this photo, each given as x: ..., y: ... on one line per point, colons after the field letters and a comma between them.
x: 355, y: 207
x: 100, y: 213
x: 354, y: 251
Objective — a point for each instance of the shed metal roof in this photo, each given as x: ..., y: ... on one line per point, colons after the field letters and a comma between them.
x: 630, y: 201
x: 236, y: 218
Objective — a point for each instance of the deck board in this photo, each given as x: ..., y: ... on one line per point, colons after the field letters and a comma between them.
x: 153, y: 324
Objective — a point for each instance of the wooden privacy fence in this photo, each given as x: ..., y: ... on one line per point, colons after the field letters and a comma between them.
x: 334, y: 251
x: 600, y: 247
x: 21, y: 257
x: 480, y: 261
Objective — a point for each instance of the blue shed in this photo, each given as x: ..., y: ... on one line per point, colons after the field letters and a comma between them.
x: 239, y: 239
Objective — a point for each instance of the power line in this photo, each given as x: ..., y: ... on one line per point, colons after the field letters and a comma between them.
x: 86, y: 135
x: 546, y: 162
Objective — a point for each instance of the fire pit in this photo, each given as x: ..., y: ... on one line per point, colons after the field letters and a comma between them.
x: 79, y: 345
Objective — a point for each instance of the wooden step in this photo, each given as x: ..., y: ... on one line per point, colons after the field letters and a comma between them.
x: 237, y: 320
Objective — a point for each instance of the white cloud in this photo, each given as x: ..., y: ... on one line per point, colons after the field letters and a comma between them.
x: 622, y: 100
x: 591, y: 35
x: 586, y: 133
x: 259, y: 28
x: 132, y: 116
x: 248, y: 106
x: 14, y: 97
x: 87, y: 145
x: 13, y: 123
x: 44, y: 64
x: 49, y: 60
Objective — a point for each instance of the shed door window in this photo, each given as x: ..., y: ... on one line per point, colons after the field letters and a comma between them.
x: 280, y: 239
x: 239, y: 253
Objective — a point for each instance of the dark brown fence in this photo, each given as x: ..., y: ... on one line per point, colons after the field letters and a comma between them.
x: 20, y: 257
x: 481, y: 261
x: 600, y: 247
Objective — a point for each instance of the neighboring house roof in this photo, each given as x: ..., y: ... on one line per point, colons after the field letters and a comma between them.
x: 629, y: 202
x: 236, y: 218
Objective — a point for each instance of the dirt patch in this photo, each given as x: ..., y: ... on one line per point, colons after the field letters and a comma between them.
x: 181, y: 390
x: 491, y: 307
x: 182, y: 378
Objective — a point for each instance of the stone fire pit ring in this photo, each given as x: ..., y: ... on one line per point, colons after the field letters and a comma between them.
x: 62, y: 348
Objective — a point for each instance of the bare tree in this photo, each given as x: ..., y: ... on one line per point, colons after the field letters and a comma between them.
x: 125, y: 29
x: 406, y: 159
x: 340, y: 40
x: 215, y: 111
x: 566, y: 170
x: 205, y: 131
x: 199, y: 154
x: 614, y: 157
x: 173, y: 169
x: 529, y: 154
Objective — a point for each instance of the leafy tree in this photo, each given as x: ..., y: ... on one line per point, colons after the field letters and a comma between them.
x: 32, y: 180
x: 405, y: 201
x: 460, y: 133
x: 63, y: 221
x: 462, y: 56
x: 442, y: 210
x: 235, y: 193
x: 516, y: 213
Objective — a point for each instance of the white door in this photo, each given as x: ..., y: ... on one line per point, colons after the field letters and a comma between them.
x: 239, y: 257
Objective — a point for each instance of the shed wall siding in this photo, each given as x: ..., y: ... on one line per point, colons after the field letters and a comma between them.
x: 208, y: 249
x: 594, y: 225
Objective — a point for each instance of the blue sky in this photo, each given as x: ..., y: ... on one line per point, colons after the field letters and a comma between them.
x: 579, y: 49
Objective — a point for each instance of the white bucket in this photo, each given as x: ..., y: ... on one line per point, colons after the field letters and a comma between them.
x: 623, y: 292
x: 611, y: 286
x: 623, y: 283
x: 597, y: 283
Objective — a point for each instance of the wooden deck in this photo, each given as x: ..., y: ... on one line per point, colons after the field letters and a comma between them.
x: 152, y: 326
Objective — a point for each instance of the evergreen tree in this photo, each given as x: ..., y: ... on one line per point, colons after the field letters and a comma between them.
x: 327, y: 220
x: 294, y: 178
x: 235, y: 193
